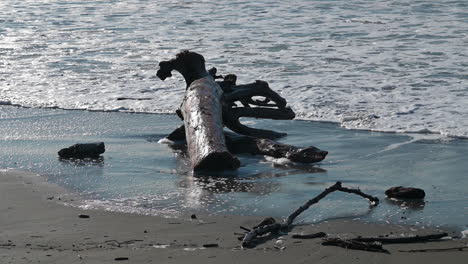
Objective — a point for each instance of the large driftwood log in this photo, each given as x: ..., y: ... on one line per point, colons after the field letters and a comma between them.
x: 202, y: 113
x: 205, y: 109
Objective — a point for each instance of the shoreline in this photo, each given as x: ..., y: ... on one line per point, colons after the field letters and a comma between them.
x: 337, y: 123
x: 36, y: 227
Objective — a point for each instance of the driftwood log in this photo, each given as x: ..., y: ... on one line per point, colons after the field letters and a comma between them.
x: 209, y: 105
x: 202, y: 113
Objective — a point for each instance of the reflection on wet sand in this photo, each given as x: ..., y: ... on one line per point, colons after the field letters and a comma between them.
x: 211, y: 188
x: 415, y: 204
x: 84, y: 162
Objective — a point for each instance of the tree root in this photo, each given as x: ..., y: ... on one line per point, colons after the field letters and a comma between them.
x: 272, y: 107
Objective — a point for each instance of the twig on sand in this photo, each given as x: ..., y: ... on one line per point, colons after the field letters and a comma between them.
x: 353, y: 244
x: 118, y: 244
x: 402, y: 240
x: 435, y: 249
x: 275, y: 227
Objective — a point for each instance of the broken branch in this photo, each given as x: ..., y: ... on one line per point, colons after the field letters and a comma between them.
x: 401, y: 240
x: 250, y: 236
x: 356, y: 245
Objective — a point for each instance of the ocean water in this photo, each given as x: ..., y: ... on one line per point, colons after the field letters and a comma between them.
x: 139, y: 175
x: 390, y: 65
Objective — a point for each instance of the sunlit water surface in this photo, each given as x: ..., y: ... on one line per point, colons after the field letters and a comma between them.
x: 390, y: 65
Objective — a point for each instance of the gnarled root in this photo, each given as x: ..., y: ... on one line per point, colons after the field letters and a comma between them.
x: 272, y: 107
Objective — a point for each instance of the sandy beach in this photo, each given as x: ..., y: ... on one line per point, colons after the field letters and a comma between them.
x: 36, y: 227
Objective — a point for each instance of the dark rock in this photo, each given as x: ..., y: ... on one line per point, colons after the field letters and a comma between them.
x: 193, y: 216
x: 81, y: 151
x: 405, y: 193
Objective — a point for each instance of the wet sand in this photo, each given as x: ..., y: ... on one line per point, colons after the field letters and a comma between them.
x: 36, y: 227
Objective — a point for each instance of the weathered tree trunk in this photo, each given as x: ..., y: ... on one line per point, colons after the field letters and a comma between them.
x: 202, y: 114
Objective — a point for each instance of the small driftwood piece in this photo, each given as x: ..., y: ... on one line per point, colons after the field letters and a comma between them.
x: 435, y: 249
x: 268, y: 147
x: 402, y: 240
x: 202, y: 113
x: 275, y: 227
x: 356, y: 245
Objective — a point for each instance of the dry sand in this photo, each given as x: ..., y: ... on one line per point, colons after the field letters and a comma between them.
x: 35, y: 227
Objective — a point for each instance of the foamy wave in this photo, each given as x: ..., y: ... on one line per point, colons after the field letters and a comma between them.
x: 375, y: 72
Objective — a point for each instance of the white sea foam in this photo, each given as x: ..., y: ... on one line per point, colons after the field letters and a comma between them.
x: 394, y: 66
x: 165, y: 141
x: 464, y: 233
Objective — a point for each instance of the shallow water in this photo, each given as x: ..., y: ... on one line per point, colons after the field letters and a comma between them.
x: 391, y: 65
x: 137, y: 174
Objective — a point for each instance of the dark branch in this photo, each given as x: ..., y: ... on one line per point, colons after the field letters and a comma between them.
x: 249, y: 237
x: 402, y: 240
x: 352, y: 244
x: 435, y: 249
x: 258, y: 88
